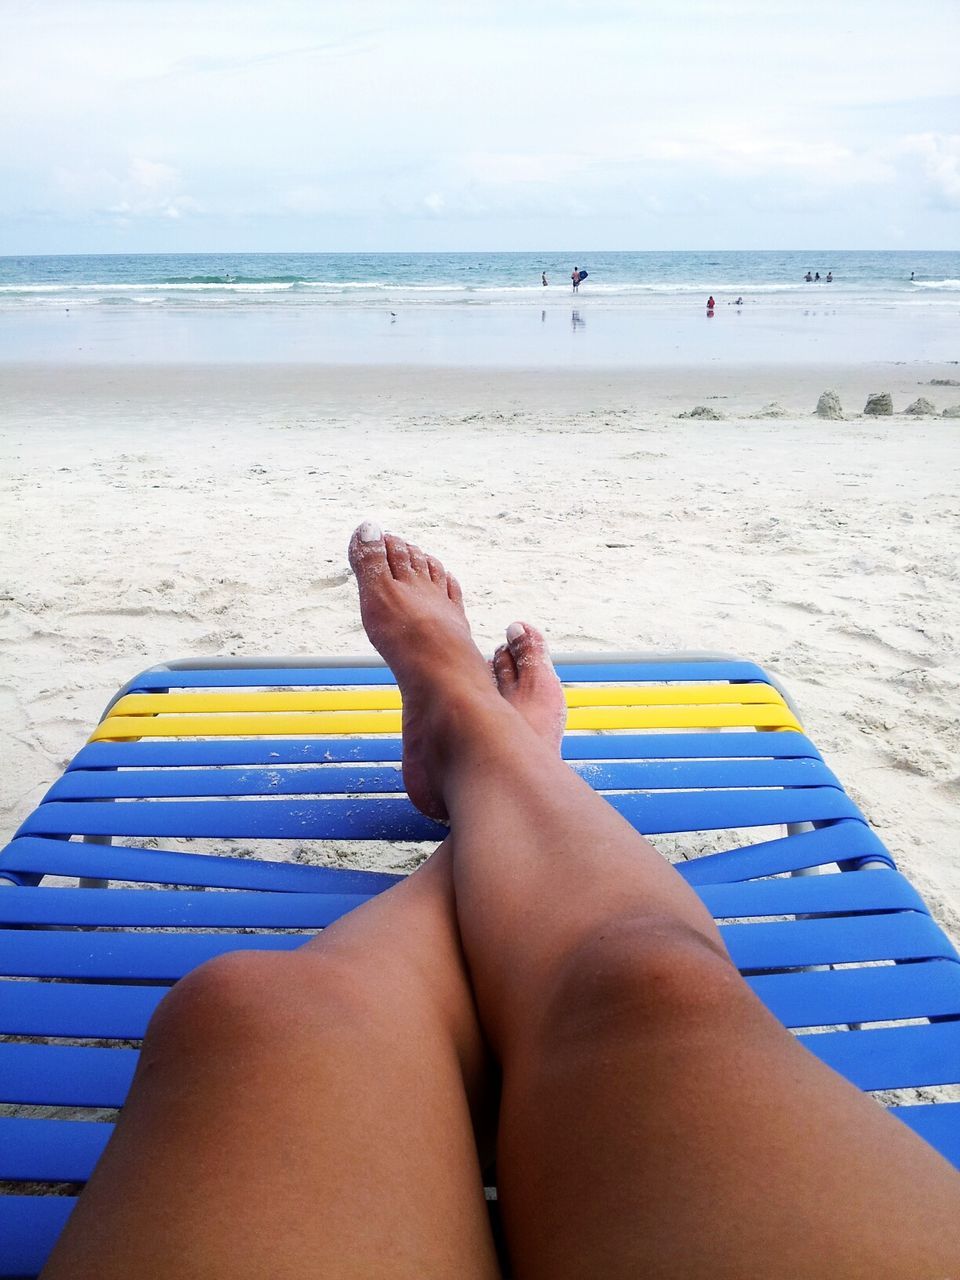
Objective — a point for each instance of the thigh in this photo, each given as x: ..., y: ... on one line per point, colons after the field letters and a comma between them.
x: 659, y: 1122
x: 294, y: 1115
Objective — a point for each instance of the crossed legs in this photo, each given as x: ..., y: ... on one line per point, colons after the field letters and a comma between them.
x: 318, y: 1113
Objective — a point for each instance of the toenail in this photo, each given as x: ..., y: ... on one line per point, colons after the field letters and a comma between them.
x: 514, y: 631
x: 370, y: 532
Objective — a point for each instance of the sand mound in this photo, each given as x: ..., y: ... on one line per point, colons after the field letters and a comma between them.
x: 702, y: 411
x: 828, y: 406
x: 921, y: 408
x: 879, y: 406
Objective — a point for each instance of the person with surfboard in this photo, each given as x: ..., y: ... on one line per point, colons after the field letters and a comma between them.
x: 577, y: 276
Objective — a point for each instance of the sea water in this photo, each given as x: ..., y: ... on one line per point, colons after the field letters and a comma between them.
x: 483, y: 308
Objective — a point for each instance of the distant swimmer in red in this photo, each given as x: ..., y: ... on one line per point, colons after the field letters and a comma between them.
x: 710, y: 305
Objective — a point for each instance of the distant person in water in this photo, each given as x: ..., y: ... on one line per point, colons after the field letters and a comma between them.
x: 809, y: 278
x: 575, y: 277
x: 829, y: 277
x: 816, y: 278
x: 710, y: 303
x: 737, y: 303
x: 543, y: 278
x: 911, y: 275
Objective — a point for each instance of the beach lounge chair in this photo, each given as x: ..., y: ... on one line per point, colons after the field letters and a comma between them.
x: 705, y: 754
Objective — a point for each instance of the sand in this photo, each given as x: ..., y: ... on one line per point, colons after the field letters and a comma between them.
x: 156, y: 513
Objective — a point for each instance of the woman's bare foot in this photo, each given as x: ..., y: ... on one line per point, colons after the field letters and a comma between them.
x: 412, y: 610
x: 526, y: 677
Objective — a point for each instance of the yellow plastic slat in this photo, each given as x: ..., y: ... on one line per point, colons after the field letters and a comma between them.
x: 762, y: 716
x: 387, y: 698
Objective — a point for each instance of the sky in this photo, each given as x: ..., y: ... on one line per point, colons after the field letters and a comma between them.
x: 297, y: 125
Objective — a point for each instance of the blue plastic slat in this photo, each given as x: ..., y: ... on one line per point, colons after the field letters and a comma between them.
x: 860, y: 892
x: 656, y: 672
x: 186, y: 910
x: 573, y: 672
x: 29, y: 1226
x: 360, y: 819
x: 33, y: 855
x: 79, y: 1010
x: 800, y: 895
x: 334, y: 779
x: 892, y: 1057
x: 786, y: 744
x: 253, y: 677
x: 654, y: 814
x: 885, y: 1058
x: 61, y: 1075
x: 377, y: 818
x: 136, y: 957
x: 876, y: 993
x: 900, y: 935
x: 90, y: 784
x: 817, y: 998
x: 836, y: 842
x: 270, y: 752
x: 167, y: 956
x: 50, y: 1150
x: 938, y: 1124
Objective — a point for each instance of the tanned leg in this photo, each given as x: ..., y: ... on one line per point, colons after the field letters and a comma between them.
x: 656, y: 1120
x: 304, y: 1114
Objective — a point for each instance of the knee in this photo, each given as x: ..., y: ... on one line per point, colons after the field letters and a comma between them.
x: 643, y: 973
x: 255, y: 998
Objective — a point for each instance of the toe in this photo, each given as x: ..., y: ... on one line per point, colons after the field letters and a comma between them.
x: 398, y: 556
x: 504, y: 669
x: 418, y: 561
x: 367, y: 551
x: 436, y: 571
x: 453, y: 590
x: 526, y: 644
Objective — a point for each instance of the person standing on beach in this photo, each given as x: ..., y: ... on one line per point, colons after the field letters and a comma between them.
x: 575, y: 277
x: 543, y: 278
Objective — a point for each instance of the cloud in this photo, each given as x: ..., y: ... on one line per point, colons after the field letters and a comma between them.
x: 938, y: 158
x: 507, y: 167
x: 147, y: 189
x: 552, y: 116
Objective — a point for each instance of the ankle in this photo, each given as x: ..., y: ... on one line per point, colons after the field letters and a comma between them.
x: 482, y: 737
x: 466, y: 718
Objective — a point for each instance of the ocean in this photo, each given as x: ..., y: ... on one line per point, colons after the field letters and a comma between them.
x: 486, y: 309
x: 466, y: 279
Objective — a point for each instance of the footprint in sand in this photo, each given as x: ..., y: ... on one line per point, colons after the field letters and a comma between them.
x: 332, y: 580
x: 881, y: 649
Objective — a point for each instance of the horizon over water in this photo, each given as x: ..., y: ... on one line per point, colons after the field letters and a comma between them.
x: 635, y: 308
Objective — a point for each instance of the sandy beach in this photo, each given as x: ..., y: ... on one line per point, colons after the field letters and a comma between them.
x: 158, y: 512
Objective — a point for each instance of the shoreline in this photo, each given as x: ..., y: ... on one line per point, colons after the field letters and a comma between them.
x: 566, y: 331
